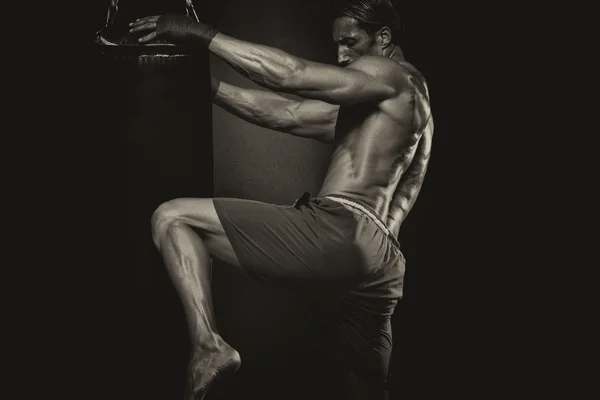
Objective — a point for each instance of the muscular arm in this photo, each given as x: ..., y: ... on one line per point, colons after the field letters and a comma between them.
x: 367, y: 79
x: 311, y: 119
x: 370, y: 78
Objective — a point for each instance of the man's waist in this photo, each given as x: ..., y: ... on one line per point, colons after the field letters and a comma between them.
x: 354, y: 206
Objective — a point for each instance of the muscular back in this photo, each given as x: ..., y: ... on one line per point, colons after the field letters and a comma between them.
x: 382, y: 149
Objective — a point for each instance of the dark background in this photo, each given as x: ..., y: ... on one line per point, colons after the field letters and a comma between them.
x: 495, y: 305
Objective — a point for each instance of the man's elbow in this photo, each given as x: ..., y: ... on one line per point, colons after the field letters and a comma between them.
x: 291, y: 80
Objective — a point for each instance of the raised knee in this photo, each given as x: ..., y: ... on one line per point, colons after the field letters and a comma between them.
x: 164, y: 216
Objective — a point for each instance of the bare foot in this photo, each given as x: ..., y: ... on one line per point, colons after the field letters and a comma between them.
x: 205, y: 368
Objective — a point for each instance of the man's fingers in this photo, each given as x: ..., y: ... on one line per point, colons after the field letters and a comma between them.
x: 140, y: 21
x: 148, y: 38
x: 150, y: 18
x: 143, y: 27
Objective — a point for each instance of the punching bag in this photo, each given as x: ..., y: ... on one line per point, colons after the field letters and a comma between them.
x: 155, y: 109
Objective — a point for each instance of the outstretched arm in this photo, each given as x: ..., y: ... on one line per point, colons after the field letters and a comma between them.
x: 367, y: 79
x: 363, y: 81
x: 311, y: 119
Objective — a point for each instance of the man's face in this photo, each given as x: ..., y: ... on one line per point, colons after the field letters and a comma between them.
x: 352, y: 41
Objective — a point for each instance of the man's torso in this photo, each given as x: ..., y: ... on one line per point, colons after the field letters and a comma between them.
x: 375, y: 145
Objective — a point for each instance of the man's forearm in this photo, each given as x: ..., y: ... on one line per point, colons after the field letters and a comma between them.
x: 259, y: 107
x: 267, y: 66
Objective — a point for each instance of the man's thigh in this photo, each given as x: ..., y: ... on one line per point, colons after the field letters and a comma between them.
x: 289, y: 245
x: 268, y: 240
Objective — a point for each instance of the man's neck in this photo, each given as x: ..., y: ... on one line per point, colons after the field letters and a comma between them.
x: 394, y: 52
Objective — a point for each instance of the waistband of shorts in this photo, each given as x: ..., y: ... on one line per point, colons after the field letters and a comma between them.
x: 362, y: 209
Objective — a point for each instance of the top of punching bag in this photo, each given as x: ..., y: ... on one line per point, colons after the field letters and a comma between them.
x: 121, y: 12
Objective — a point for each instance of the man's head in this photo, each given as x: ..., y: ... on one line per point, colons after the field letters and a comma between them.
x: 364, y: 27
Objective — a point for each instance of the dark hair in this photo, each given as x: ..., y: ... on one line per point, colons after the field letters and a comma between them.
x: 371, y: 15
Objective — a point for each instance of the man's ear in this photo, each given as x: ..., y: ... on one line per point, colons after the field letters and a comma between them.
x: 384, y: 37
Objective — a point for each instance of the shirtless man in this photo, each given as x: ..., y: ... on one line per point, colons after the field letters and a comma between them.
x: 341, y: 246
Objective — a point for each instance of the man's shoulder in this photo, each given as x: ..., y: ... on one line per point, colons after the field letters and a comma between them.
x: 385, y: 68
x: 370, y: 62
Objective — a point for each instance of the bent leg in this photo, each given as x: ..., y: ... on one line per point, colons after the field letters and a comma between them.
x: 187, y: 256
x: 304, y: 248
